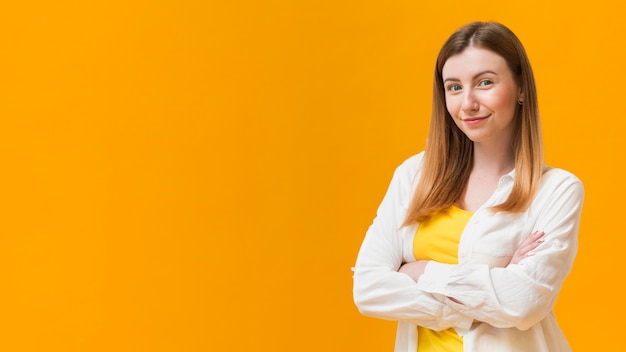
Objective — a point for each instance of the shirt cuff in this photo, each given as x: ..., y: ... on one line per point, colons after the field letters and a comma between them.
x: 435, y: 281
x: 435, y: 277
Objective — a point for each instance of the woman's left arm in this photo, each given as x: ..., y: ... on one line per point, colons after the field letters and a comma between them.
x: 518, y: 295
x: 416, y: 269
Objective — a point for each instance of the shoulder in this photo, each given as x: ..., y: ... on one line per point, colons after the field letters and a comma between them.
x: 411, y: 165
x: 560, y: 182
x: 406, y: 174
x: 553, y: 176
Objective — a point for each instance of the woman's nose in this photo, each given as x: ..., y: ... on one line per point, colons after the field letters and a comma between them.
x: 469, y: 102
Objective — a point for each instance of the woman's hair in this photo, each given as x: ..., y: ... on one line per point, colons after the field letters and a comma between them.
x: 448, y: 156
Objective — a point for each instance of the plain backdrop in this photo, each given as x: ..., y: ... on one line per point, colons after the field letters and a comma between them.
x: 198, y: 176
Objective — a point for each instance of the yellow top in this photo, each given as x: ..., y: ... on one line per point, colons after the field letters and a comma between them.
x: 438, y: 239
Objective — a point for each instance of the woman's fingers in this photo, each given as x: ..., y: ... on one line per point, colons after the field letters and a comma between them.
x: 526, y: 248
x: 532, y: 242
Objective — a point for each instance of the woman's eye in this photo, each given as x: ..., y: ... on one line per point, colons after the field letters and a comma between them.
x: 454, y: 87
x: 485, y: 82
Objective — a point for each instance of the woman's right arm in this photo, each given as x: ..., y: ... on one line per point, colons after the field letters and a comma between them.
x: 523, y: 293
x: 381, y: 291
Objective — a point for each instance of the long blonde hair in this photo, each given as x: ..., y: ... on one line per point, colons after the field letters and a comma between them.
x: 448, y: 156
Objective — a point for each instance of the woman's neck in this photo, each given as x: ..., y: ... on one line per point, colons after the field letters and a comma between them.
x: 494, y: 161
x: 490, y: 164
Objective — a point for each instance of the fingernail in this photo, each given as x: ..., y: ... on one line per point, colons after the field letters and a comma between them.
x: 530, y: 254
x: 539, y: 241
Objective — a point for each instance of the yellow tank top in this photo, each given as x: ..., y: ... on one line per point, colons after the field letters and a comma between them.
x: 438, y: 239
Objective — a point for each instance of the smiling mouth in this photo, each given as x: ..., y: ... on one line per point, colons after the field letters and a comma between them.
x: 470, y: 119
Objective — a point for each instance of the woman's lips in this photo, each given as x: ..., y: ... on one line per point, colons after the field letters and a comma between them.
x: 471, y: 121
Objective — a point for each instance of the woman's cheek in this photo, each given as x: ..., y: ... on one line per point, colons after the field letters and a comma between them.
x: 450, y: 106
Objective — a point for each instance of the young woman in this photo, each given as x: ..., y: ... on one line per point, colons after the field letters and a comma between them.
x: 475, y: 235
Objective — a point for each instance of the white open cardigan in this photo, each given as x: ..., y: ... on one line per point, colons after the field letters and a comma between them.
x: 513, y: 303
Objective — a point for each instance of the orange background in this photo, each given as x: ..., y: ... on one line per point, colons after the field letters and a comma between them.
x: 193, y: 176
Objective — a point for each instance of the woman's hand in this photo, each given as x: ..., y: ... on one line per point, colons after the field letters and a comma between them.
x: 525, y: 249
x: 414, y: 269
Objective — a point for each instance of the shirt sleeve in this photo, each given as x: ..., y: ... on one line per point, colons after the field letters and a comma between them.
x: 379, y: 290
x: 519, y: 295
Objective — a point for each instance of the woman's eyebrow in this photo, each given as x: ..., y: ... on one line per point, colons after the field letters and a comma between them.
x: 475, y: 76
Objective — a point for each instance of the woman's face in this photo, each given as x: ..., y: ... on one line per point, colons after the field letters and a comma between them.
x: 481, y: 95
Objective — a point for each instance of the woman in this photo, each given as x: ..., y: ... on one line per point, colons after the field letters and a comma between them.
x: 475, y: 236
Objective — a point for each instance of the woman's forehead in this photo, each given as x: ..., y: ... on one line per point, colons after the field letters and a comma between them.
x: 472, y: 61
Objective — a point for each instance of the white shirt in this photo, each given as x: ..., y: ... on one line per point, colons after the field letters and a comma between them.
x: 512, y: 302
